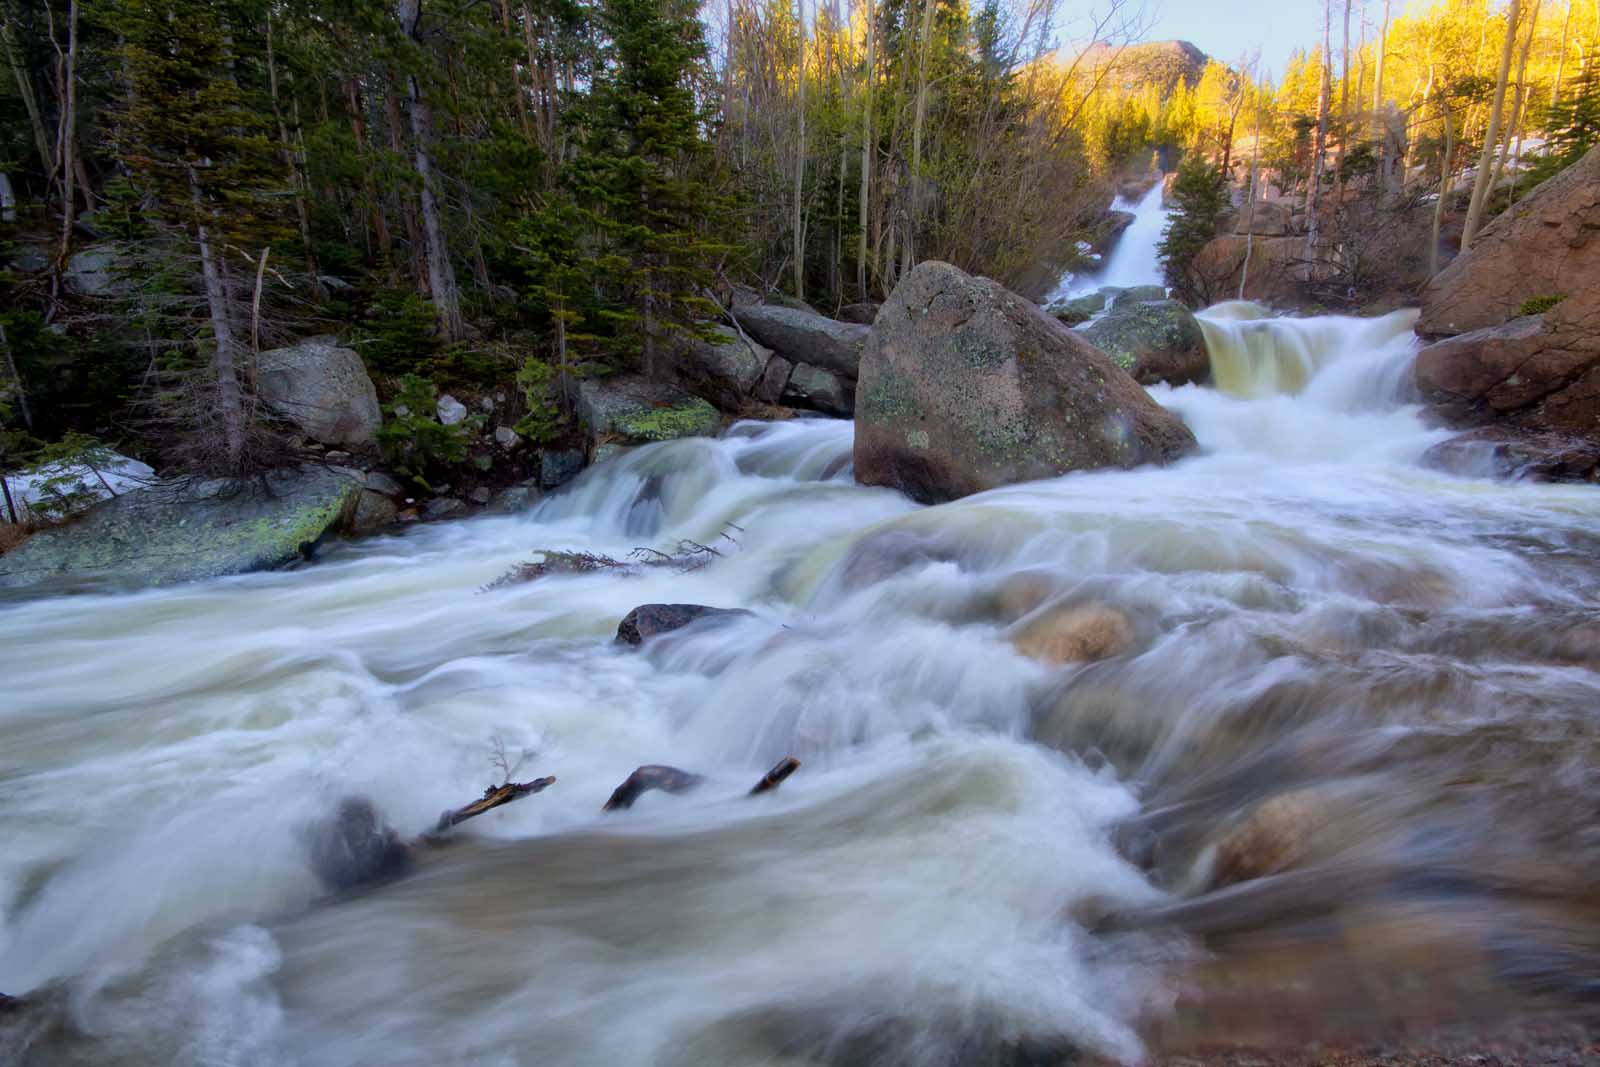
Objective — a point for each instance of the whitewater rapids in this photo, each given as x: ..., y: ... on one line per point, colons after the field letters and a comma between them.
x: 1309, y: 604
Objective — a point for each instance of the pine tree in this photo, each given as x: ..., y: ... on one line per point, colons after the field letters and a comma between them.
x: 202, y: 159
x: 642, y: 178
x: 1200, y: 193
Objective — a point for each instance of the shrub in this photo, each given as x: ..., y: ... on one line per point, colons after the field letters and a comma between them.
x: 1538, y: 305
x: 414, y: 442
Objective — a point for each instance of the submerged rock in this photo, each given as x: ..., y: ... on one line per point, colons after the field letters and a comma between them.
x: 183, y: 531
x: 355, y: 848
x: 637, y: 411
x: 1153, y: 340
x: 1080, y: 633
x: 1505, y: 452
x: 650, y: 620
x: 806, y: 337
x: 322, y: 389
x: 1545, y: 245
x: 965, y: 387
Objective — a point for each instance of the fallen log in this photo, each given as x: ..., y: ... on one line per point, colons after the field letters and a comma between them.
x: 775, y: 777
x: 493, y: 797
x: 650, y: 776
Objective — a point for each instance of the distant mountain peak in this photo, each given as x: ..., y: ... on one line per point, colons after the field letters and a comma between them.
x: 1160, y: 63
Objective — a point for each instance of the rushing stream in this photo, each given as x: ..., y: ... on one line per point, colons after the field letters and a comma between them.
x: 984, y: 858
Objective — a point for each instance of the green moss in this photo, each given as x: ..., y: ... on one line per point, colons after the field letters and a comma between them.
x: 692, y: 418
x: 1538, y: 305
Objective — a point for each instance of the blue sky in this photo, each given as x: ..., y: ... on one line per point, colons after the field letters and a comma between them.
x: 1226, y: 29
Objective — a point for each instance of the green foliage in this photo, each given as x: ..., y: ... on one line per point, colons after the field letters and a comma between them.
x: 415, y: 443
x: 1538, y: 305
x: 398, y: 333
x: 543, y: 422
x: 1574, y: 128
x: 1200, y: 196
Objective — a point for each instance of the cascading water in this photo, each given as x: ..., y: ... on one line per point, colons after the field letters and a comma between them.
x: 985, y: 857
x: 1133, y: 259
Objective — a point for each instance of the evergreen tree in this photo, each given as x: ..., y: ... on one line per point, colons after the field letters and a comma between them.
x: 1200, y: 195
x: 642, y: 179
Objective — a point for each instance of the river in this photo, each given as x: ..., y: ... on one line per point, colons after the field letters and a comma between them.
x: 982, y: 859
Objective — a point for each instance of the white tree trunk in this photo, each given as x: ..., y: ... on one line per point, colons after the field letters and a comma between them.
x: 1482, y: 179
x: 864, y: 208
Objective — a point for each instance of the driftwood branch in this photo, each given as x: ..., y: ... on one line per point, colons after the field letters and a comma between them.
x: 650, y: 776
x: 775, y: 777
x: 493, y: 797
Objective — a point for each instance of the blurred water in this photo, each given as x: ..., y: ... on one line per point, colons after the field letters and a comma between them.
x: 985, y: 857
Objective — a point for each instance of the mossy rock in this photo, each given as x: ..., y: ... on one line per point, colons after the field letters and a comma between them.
x: 638, y: 411
x: 186, y: 531
x: 1153, y: 340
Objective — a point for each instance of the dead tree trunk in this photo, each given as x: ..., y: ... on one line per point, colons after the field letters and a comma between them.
x: 441, y: 275
x: 230, y: 399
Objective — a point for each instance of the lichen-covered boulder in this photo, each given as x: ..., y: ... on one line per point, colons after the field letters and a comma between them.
x: 965, y: 386
x: 182, y: 531
x: 724, y: 371
x: 1545, y: 245
x: 820, y: 390
x: 637, y: 411
x: 806, y: 337
x: 322, y: 389
x: 1153, y: 340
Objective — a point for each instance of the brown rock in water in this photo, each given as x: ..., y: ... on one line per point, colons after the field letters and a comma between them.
x: 649, y: 620
x: 1269, y: 841
x: 1547, y: 244
x: 1081, y: 633
x: 1505, y: 452
x: 965, y: 387
x: 1536, y: 376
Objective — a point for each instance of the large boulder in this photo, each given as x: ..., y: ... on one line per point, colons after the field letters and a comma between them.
x: 636, y: 411
x: 1547, y: 244
x: 1275, y: 269
x: 322, y: 389
x: 965, y: 386
x: 97, y: 271
x: 54, y: 491
x: 1538, y: 373
x: 820, y: 390
x: 1265, y: 218
x: 862, y: 314
x: 183, y: 531
x: 1153, y: 340
x: 806, y: 337
x: 723, y: 368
